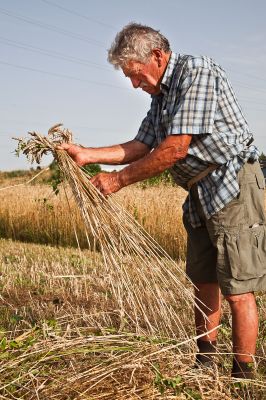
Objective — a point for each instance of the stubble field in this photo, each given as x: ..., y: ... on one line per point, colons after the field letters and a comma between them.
x: 61, y: 333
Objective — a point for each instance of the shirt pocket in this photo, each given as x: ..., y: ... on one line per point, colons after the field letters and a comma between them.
x: 247, y: 252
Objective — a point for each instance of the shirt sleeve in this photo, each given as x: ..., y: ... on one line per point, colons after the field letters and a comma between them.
x: 146, y: 133
x: 196, y: 104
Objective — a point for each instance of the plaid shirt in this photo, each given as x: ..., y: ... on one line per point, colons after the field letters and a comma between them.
x: 197, y: 99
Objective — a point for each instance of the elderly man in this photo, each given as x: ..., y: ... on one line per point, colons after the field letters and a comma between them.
x: 195, y: 128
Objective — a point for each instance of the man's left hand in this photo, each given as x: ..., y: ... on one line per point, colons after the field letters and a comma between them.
x: 107, y: 182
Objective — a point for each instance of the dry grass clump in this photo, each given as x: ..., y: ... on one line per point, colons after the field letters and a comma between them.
x: 137, y: 268
x: 111, y: 367
x: 61, y: 337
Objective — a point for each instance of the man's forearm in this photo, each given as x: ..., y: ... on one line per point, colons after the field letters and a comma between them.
x: 172, y: 149
x: 162, y: 158
x: 118, y: 154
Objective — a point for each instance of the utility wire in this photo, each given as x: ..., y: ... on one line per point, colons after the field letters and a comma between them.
x: 246, y: 74
x: 83, y: 38
x: 73, y: 12
x: 80, y: 61
x: 50, y: 27
x: 90, y: 81
x: 107, y: 84
x: 51, y: 53
x: 240, y: 84
x: 252, y: 102
x: 76, y: 36
x: 62, y: 75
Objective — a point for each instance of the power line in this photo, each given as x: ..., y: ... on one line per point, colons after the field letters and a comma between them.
x: 81, y: 61
x: 51, y: 53
x: 240, y: 84
x: 83, y: 38
x: 74, y: 126
x: 73, y: 12
x: 80, y: 79
x: 251, y: 101
x: 89, y: 81
x: 246, y: 74
x: 50, y: 27
x: 62, y: 75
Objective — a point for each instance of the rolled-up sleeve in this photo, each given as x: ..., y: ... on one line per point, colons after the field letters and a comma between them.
x: 146, y: 133
x: 196, y: 104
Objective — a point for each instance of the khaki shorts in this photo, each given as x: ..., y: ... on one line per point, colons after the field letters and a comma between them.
x: 230, y: 248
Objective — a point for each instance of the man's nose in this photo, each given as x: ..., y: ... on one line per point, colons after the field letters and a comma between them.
x: 135, y: 82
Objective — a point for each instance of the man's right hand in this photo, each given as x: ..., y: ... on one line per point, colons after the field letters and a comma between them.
x: 79, y: 154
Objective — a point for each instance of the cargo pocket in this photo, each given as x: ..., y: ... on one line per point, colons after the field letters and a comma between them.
x: 260, y: 181
x: 254, y: 199
x: 247, y: 252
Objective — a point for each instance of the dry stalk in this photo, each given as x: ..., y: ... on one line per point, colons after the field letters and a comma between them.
x: 150, y: 289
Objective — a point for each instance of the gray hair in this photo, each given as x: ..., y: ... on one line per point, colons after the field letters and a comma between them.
x: 135, y: 42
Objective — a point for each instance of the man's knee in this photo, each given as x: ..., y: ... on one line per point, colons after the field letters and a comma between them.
x: 237, y: 298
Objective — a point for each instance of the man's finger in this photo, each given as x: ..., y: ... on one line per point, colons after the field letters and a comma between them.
x: 63, y: 146
x: 93, y: 180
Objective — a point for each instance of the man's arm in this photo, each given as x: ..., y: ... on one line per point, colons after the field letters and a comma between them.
x: 120, y: 154
x: 172, y: 149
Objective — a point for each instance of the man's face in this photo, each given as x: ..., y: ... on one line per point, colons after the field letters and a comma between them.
x: 145, y: 76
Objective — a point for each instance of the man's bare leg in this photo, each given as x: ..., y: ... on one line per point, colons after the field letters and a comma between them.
x: 244, y: 325
x: 209, y: 294
x: 245, y: 332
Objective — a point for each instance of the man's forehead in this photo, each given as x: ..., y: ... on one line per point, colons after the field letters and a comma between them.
x: 130, y: 66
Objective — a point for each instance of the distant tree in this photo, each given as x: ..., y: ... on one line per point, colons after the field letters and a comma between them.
x: 262, y: 157
x: 93, y: 169
x: 53, y: 166
x: 165, y: 178
x: 55, y: 179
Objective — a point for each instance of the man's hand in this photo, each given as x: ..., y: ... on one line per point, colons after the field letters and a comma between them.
x: 124, y: 153
x: 79, y: 154
x: 107, y: 182
x: 169, y: 151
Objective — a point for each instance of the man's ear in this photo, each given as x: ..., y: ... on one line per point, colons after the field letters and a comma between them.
x: 157, y: 55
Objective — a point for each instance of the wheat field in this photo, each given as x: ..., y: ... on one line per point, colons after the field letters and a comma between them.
x: 35, y: 214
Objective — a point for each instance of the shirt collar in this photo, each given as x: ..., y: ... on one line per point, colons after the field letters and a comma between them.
x: 167, y: 77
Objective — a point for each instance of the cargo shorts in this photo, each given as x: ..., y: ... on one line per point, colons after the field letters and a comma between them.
x: 230, y: 247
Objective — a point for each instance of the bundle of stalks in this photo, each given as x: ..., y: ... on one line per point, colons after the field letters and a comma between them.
x: 150, y: 289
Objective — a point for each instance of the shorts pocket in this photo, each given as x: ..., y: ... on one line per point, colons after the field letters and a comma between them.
x: 260, y: 181
x: 247, y: 252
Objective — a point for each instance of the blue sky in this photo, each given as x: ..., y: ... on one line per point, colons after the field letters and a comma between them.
x: 53, y: 65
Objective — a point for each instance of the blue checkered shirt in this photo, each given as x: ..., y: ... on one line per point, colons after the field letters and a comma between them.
x: 196, y: 98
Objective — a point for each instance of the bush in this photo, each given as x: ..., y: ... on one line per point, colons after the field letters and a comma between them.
x: 16, y: 173
x: 164, y: 178
x: 92, y: 169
